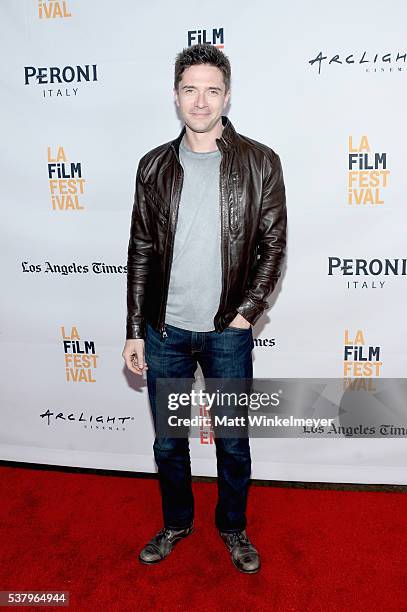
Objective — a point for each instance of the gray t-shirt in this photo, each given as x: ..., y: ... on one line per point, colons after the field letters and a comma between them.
x: 196, y: 272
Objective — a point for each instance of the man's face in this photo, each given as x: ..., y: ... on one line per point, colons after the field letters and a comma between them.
x: 201, y: 97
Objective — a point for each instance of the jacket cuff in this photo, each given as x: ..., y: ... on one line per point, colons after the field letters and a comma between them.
x: 249, y: 310
x: 136, y: 330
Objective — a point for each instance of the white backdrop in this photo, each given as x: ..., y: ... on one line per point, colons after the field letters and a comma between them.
x: 311, y: 114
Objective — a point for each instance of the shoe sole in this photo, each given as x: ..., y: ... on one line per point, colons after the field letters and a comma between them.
x: 164, y: 558
x: 255, y: 571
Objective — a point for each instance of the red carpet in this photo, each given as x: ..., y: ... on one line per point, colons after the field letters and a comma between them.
x: 321, y: 550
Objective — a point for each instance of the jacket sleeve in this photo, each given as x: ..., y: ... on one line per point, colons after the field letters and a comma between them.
x: 138, y: 258
x: 271, y: 243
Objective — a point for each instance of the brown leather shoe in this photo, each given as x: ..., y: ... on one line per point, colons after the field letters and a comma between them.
x: 243, y: 554
x: 160, y: 546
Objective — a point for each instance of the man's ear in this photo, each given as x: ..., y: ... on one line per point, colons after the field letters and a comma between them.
x: 176, y: 96
x: 227, y: 98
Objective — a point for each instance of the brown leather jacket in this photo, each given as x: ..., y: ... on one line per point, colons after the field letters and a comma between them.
x: 253, y: 230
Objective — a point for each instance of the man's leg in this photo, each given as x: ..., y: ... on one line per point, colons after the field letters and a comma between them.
x: 170, y: 357
x: 229, y: 355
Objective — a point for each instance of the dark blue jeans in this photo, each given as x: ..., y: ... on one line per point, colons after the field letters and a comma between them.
x: 220, y: 355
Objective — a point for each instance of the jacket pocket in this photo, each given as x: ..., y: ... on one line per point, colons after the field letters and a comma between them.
x: 158, y: 204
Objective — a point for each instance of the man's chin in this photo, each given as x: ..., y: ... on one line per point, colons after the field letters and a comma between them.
x: 200, y: 125
x: 199, y: 129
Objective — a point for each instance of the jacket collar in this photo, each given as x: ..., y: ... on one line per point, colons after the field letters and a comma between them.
x: 226, y: 141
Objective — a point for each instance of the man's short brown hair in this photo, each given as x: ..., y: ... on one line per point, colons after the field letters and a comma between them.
x: 202, y: 54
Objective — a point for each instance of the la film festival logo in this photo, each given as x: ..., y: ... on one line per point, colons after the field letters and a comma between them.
x: 66, y: 183
x: 53, y: 9
x: 80, y: 357
x: 368, y: 175
x: 54, y: 79
x: 212, y: 36
x: 360, y: 360
x: 369, y: 62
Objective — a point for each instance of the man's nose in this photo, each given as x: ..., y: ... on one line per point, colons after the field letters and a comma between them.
x: 201, y: 100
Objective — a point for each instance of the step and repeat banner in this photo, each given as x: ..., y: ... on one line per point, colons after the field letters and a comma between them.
x: 86, y: 91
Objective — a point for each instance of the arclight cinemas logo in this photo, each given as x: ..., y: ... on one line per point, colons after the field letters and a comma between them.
x: 89, y: 421
x: 59, y: 78
x: 362, y: 271
x: 369, y: 62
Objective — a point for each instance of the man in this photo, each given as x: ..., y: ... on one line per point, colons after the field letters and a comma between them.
x: 207, y: 239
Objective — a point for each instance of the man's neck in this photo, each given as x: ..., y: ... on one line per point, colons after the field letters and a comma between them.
x: 203, y: 142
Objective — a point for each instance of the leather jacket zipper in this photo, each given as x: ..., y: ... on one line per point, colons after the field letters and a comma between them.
x: 234, y: 209
x: 223, y: 240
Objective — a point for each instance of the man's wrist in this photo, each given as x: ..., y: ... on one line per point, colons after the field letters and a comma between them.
x: 240, y: 321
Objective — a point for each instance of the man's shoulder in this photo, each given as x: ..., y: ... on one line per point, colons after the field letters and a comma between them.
x: 156, y: 151
x: 258, y: 149
x: 153, y: 157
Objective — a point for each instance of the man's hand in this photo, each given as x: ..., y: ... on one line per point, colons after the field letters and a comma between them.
x: 240, y: 322
x: 133, y: 355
